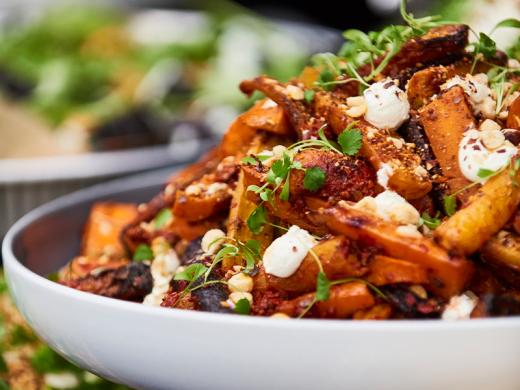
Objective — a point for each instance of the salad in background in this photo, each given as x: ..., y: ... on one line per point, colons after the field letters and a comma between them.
x: 78, y: 79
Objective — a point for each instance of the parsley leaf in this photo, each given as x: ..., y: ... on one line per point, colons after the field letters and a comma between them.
x: 450, y: 205
x: 430, y: 222
x: 322, y: 287
x: 513, y: 23
x: 143, y: 252
x: 284, y: 195
x: 257, y: 219
x: 485, y: 46
x: 350, y: 141
x: 484, y: 173
x: 251, y: 253
x: 192, y: 272
x: 309, y: 95
x: 163, y: 218
x: 314, y: 179
x: 243, y: 306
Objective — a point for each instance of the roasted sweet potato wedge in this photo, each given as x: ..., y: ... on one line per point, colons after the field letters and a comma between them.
x: 104, y: 225
x: 445, y: 120
x: 447, y: 275
x: 268, y: 116
x: 387, y: 270
x: 344, y: 301
x: 485, y: 213
x: 339, y: 258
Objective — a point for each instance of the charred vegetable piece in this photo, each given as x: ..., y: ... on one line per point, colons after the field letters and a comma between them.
x: 410, y: 304
x: 291, y: 98
x: 130, y: 282
x: 440, y: 45
x: 447, y: 275
x: 268, y: 116
x: 343, y: 302
x: 386, y: 270
x: 339, y: 257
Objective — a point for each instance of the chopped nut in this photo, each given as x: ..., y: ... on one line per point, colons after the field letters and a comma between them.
x: 357, y: 111
x: 240, y: 283
x: 193, y: 189
x: 492, y: 139
x: 212, y: 241
x: 169, y: 190
x: 408, y: 231
x: 237, y: 296
x: 419, y: 291
x: 488, y: 125
x: 280, y: 316
x: 294, y: 92
x: 420, y: 171
x: 355, y: 101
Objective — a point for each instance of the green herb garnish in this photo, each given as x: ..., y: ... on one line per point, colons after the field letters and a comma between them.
x: 243, y: 306
x: 143, y: 252
x: 191, y: 273
x: 350, y: 141
x: 314, y: 179
x: 257, y: 219
x: 163, y: 218
x: 430, y: 222
x: 309, y: 95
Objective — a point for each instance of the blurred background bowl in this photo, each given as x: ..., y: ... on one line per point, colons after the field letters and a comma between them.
x: 56, y: 141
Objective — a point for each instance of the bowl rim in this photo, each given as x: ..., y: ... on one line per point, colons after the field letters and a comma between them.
x: 13, y: 265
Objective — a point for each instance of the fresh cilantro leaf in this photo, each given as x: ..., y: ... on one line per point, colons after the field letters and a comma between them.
x: 253, y: 246
x: 266, y: 195
x: 163, y: 218
x: 484, y: 173
x: 485, y: 46
x: 513, y: 23
x: 243, y: 306
x: 430, y: 222
x: 350, y: 141
x: 257, y: 219
x: 309, y: 95
x: 249, y: 160
x: 322, y: 287
x: 284, y: 194
x: 450, y: 205
x: 143, y: 252
x: 192, y: 272
x: 314, y: 179
x: 4, y: 385
x: 21, y: 335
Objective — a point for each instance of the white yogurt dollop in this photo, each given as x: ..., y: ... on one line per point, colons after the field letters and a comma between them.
x: 474, y: 157
x: 478, y: 91
x: 387, y: 105
x: 460, y: 307
x: 285, y: 254
x: 390, y: 206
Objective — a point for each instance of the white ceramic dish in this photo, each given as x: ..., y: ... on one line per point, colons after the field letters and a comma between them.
x: 156, y: 348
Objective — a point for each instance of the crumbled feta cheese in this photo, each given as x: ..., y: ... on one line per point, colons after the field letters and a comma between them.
x: 390, y: 206
x: 294, y: 92
x: 475, y: 153
x: 285, y: 254
x: 61, y: 380
x: 212, y: 241
x: 478, y: 91
x: 460, y: 307
x: 384, y: 173
x: 163, y: 268
x: 387, y: 105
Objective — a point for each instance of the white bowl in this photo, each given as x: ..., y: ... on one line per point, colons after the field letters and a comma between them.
x: 157, y: 348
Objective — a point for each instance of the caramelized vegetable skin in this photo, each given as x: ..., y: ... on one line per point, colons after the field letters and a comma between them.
x: 445, y: 120
x: 486, y: 212
x: 447, y: 275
